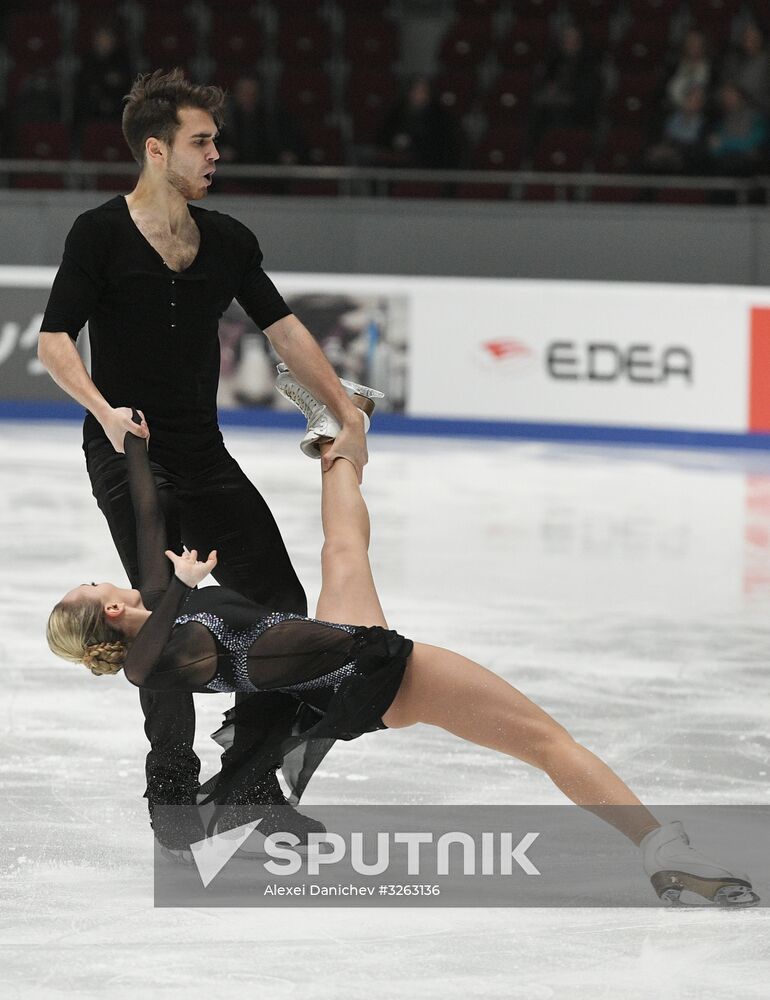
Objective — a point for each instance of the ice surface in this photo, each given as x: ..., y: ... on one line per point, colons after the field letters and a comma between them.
x: 627, y: 591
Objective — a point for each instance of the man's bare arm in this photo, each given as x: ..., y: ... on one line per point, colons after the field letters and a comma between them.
x: 58, y: 354
x: 294, y: 343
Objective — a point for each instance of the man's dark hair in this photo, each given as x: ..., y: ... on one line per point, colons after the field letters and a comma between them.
x: 153, y: 104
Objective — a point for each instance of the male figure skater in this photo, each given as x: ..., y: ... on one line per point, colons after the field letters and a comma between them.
x: 152, y: 275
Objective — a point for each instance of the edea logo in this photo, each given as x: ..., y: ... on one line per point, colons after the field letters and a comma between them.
x: 505, y: 355
x: 603, y: 361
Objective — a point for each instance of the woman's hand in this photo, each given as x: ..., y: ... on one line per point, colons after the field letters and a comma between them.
x: 187, y: 567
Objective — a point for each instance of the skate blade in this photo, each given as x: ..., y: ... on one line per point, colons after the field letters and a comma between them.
x: 362, y: 390
x: 671, y: 886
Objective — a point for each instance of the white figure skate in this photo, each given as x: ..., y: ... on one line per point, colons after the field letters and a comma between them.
x: 321, y: 424
x: 676, y: 870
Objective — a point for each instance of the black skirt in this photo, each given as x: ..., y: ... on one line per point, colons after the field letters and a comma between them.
x: 303, y: 731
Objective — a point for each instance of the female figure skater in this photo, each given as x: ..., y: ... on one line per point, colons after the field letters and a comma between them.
x: 348, y: 672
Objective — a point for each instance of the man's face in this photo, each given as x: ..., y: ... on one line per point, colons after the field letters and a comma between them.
x: 192, y: 157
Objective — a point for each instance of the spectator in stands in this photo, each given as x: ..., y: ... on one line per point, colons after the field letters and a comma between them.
x: 736, y: 146
x: 681, y: 147
x: 255, y: 133
x: 748, y: 67
x: 104, y: 78
x: 568, y: 96
x: 693, y: 69
x: 418, y: 131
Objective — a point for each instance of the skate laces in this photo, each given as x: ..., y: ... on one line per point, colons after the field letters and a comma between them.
x: 302, y: 398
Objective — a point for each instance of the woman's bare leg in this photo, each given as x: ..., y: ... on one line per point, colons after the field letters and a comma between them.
x: 444, y: 689
x: 348, y: 595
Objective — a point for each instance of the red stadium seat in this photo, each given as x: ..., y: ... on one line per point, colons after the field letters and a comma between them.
x: 87, y: 23
x: 592, y: 10
x: 644, y: 47
x: 352, y: 8
x: 369, y: 97
x: 168, y: 40
x: 325, y: 146
x: 631, y: 108
x: 104, y: 142
x: 501, y: 149
x: 563, y: 149
x: 620, y: 154
x: 509, y: 98
x: 456, y: 91
x: 235, y: 40
x: 476, y: 8
x: 644, y: 84
x: 466, y: 44
x: 533, y: 9
x: 306, y: 93
x: 371, y: 41
x: 525, y: 45
x: 593, y: 18
x: 303, y: 41
x: 42, y: 141
x: 650, y: 10
x: 33, y: 40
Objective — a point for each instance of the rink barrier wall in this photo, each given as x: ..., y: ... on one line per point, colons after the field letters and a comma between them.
x: 631, y: 363
x: 392, y: 423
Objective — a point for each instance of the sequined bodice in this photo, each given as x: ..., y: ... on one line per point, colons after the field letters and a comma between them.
x: 232, y: 672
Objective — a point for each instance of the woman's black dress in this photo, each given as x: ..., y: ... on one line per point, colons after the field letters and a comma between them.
x: 343, y: 677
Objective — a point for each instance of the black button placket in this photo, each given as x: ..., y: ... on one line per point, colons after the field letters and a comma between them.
x: 173, y: 303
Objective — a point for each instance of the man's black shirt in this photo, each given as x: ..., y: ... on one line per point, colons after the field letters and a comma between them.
x: 153, y: 331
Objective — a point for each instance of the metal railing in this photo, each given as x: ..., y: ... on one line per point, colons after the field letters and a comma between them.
x: 377, y: 181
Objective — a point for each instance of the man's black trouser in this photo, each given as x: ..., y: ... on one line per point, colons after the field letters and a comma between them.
x: 208, y: 504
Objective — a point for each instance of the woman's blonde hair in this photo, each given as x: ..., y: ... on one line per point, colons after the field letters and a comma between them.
x: 79, y: 632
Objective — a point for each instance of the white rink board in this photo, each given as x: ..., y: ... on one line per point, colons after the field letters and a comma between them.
x: 618, y: 333
x: 622, y: 354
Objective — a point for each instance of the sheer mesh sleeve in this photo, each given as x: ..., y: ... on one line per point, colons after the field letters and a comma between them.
x: 151, y: 543
x: 161, y: 595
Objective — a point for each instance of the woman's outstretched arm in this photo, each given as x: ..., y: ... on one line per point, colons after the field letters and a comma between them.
x: 162, y: 593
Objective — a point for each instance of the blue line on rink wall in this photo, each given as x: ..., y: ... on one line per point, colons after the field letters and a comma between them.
x: 394, y: 423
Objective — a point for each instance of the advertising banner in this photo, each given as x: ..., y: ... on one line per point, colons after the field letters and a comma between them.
x: 614, y: 355
x: 658, y: 356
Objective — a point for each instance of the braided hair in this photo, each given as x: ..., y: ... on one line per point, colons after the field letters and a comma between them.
x: 79, y: 632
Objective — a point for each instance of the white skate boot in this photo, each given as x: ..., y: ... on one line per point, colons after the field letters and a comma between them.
x: 675, y: 869
x: 321, y: 424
